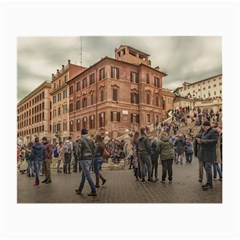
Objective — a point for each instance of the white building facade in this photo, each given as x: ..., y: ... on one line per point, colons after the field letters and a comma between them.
x: 203, y: 89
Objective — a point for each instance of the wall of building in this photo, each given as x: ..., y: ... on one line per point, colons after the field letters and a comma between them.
x: 122, y: 106
x: 60, y: 101
x: 34, y: 114
x: 131, y: 55
x: 168, y: 98
x: 210, y: 87
x: 214, y: 104
x: 59, y: 114
x: 181, y: 102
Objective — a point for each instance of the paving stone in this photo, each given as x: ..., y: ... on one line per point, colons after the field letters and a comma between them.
x: 121, y: 187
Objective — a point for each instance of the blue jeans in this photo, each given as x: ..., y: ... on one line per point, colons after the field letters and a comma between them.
x: 85, y: 164
x: 30, y: 168
x: 216, y: 169
x: 37, y: 165
x: 98, y: 161
x: 189, y: 157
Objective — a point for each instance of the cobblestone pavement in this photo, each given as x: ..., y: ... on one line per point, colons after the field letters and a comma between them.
x: 121, y: 187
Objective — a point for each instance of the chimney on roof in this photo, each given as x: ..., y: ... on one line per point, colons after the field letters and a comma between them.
x: 62, y: 67
x: 53, y: 76
x: 58, y: 71
x: 69, y: 61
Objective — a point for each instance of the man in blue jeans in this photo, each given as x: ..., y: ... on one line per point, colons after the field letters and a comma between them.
x: 85, y: 154
x: 37, y: 158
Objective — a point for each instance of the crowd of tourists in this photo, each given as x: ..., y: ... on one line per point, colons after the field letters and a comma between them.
x: 143, y: 152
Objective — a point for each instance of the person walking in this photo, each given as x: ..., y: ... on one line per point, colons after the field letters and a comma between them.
x: 86, y: 149
x: 47, y: 160
x: 37, y: 154
x: 67, y: 149
x: 180, y: 148
x: 166, y: 151
x: 60, y: 157
x: 188, y: 151
x: 30, y: 167
x: 144, y: 152
x: 208, y: 152
x: 98, y: 160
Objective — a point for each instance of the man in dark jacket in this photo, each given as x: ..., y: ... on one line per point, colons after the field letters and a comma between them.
x: 37, y: 153
x: 208, y: 151
x: 85, y: 155
x: 143, y: 148
x: 47, y: 160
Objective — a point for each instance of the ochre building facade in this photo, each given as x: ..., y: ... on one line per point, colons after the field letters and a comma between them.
x: 33, y: 114
x: 60, y: 101
x: 116, y: 94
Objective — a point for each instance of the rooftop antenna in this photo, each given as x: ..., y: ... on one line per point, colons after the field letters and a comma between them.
x: 80, y: 51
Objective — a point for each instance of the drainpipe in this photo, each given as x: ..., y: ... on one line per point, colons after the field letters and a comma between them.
x: 96, y: 118
x: 139, y: 111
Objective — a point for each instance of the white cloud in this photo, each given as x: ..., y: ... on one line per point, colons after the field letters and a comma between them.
x: 182, y: 58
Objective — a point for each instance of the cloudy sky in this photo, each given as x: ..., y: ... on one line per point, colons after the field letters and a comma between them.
x: 182, y: 58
